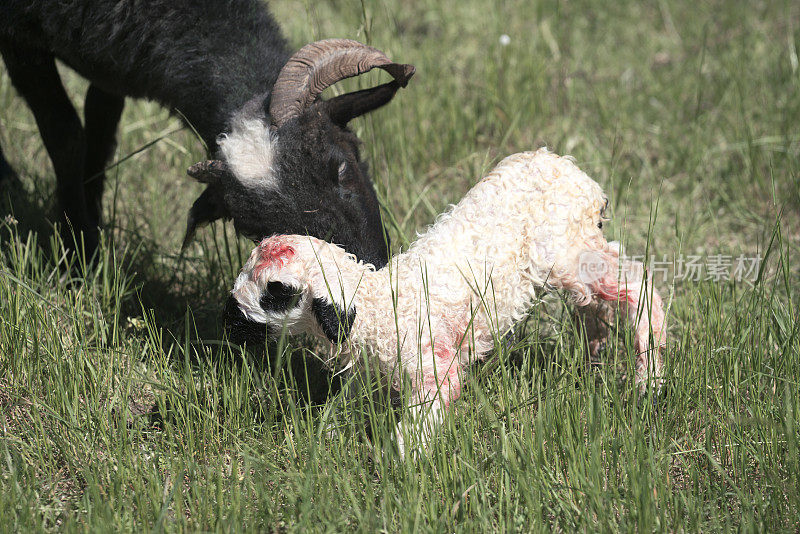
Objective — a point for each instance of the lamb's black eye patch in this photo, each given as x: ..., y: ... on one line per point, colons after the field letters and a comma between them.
x: 278, y: 297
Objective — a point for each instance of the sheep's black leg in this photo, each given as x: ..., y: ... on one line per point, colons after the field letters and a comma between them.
x: 6, y: 171
x: 101, y: 113
x: 33, y: 73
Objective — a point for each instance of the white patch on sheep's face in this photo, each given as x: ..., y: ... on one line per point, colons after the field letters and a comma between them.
x: 249, y: 150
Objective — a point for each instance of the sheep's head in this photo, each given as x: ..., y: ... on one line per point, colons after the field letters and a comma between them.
x: 290, y: 165
x: 294, y: 284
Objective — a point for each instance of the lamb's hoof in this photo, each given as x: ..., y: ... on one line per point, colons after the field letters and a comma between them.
x: 400, y: 447
x: 414, y: 448
x: 596, y: 348
x: 652, y: 390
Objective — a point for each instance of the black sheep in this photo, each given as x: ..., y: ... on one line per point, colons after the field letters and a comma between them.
x: 217, y: 63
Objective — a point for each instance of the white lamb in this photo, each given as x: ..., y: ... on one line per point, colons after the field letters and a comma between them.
x: 533, y: 223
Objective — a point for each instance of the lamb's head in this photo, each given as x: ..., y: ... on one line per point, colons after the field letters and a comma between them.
x: 290, y: 165
x: 294, y: 284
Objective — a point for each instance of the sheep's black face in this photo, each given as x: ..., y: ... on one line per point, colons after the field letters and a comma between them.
x: 305, y: 177
x: 327, y: 191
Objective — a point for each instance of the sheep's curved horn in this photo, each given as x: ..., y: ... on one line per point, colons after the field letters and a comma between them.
x: 319, y: 65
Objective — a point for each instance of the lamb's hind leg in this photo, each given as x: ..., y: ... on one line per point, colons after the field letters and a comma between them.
x: 628, y: 285
x: 418, y: 425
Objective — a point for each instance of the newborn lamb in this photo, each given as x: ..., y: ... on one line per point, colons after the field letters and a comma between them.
x: 534, y: 223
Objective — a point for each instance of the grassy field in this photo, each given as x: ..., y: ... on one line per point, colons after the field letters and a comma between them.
x: 122, y: 408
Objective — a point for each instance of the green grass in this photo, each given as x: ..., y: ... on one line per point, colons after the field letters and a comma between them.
x: 121, y: 409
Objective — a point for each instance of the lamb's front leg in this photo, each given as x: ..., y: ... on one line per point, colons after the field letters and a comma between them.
x: 595, y: 319
x: 433, y: 387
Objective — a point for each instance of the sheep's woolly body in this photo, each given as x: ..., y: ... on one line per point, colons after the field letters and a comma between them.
x: 528, y: 225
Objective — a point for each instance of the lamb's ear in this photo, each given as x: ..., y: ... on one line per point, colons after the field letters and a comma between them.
x: 206, y: 209
x: 335, y: 322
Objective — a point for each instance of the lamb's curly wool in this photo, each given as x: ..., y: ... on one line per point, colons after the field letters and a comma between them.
x: 533, y: 223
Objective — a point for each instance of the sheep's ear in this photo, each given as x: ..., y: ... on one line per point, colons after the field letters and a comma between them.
x: 344, y: 108
x: 206, y: 209
x: 209, y: 206
x: 209, y: 172
x: 278, y: 297
x: 335, y: 322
